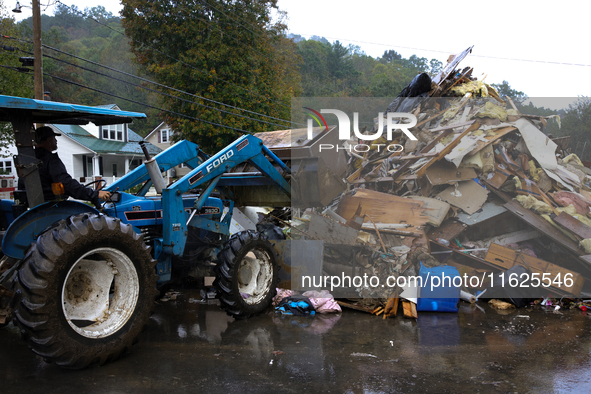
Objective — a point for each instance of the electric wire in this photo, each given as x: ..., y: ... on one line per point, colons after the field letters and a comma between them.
x: 268, y: 99
x: 155, y: 83
x: 147, y: 105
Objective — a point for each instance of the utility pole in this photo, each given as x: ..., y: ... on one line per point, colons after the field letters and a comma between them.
x: 37, y: 51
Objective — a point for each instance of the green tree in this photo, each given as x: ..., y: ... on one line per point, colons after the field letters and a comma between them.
x: 389, y: 56
x: 504, y: 89
x: 228, y: 51
x: 576, y: 123
x: 12, y: 82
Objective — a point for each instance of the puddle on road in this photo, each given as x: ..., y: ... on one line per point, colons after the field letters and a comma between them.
x: 196, y: 346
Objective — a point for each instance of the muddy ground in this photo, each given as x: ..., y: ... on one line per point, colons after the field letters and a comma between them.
x: 192, y: 346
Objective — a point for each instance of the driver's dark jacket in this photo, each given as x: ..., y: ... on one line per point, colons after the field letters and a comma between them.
x: 53, y: 171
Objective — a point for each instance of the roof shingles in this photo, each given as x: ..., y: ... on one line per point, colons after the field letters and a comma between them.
x: 83, y: 137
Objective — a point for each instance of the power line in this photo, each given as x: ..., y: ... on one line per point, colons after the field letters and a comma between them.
x: 20, y: 69
x: 163, y: 86
x: 158, y: 84
x: 148, y: 105
x: 178, y: 60
x: 162, y: 93
x: 448, y: 52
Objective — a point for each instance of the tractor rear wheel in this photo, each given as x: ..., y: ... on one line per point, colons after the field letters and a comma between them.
x: 246, y: 274
x: 85, y: 290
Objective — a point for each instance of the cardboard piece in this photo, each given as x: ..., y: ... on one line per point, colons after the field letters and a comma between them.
x: 445, y: 173
x: 468, y: 195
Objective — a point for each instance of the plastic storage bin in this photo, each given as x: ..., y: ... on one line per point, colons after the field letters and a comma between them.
x: 438, y: 292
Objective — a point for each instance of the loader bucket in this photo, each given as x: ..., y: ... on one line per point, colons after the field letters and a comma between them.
x: 316, y: 176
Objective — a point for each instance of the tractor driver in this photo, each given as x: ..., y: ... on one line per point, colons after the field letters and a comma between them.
x: 53, y: 170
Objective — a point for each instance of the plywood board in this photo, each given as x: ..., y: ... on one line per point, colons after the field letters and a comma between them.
x: 384, y: 208
x: 507, y: 258
x: 436, y: 210
x: 468, y: 195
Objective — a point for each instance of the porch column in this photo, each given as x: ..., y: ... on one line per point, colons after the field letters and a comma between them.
x: 126, y: 166
x: 95, y: 165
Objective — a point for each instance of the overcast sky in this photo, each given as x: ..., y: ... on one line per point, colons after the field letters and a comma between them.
x: 540, y: 47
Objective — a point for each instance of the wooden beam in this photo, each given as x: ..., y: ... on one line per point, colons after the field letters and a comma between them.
x: 445, y: 131
x: 448, y: 148
x: 409, y: 309
x: 573, y: 224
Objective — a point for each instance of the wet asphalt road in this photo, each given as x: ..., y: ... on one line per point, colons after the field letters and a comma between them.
x: 194, y: 347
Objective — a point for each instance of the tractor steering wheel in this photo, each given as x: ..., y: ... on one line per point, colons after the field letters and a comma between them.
x: 101, y: 183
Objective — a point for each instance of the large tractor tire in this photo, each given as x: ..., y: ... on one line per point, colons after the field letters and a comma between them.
x: 246, y: 274
x: 85, y: 290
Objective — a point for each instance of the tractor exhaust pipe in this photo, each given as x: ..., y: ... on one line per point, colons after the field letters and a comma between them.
x: 153, y: 170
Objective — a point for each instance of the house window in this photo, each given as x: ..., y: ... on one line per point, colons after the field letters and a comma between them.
x: 114, y: 169
x: 134, y: 163
x: 6, y: 167
x: 113, y: 132
x: 164, y: 135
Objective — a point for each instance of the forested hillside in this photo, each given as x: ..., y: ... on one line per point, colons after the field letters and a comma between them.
x: 224, y: 69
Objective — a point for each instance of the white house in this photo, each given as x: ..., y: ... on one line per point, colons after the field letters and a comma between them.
x: 161, y: 137
x: 91, y: 151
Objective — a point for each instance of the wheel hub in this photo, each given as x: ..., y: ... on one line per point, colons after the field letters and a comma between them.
x: 255, y: 276
x: 100, y: 292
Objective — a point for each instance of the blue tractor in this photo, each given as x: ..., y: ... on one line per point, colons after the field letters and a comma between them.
x: 80, y: 281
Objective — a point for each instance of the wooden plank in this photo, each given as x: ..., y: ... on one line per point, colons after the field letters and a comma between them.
x: 498, y: 134
x: 448, y: 148
x: 507, y: 258
x: 354, y: 175
x: 409, y: 309
x: 412, y: 157
x: 451, y: 127
x: 451, y: 65
x: 445, y: 131
x: 466, y: 74
x: 355, y: 307
x: 383, y: 208
x: 435, y: 209
x: 422, y: 122
x: 395, y: 307
x: 448, y: 230
x: 573, y: 224
x: 543, y: 226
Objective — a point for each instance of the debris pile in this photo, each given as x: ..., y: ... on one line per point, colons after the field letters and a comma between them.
x: 481, y: 188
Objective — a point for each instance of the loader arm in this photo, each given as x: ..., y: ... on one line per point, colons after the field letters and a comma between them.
x: 206, y: 176
x: 181, y: 152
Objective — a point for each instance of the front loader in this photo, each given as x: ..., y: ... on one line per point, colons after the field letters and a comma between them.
x: 80, y: 281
